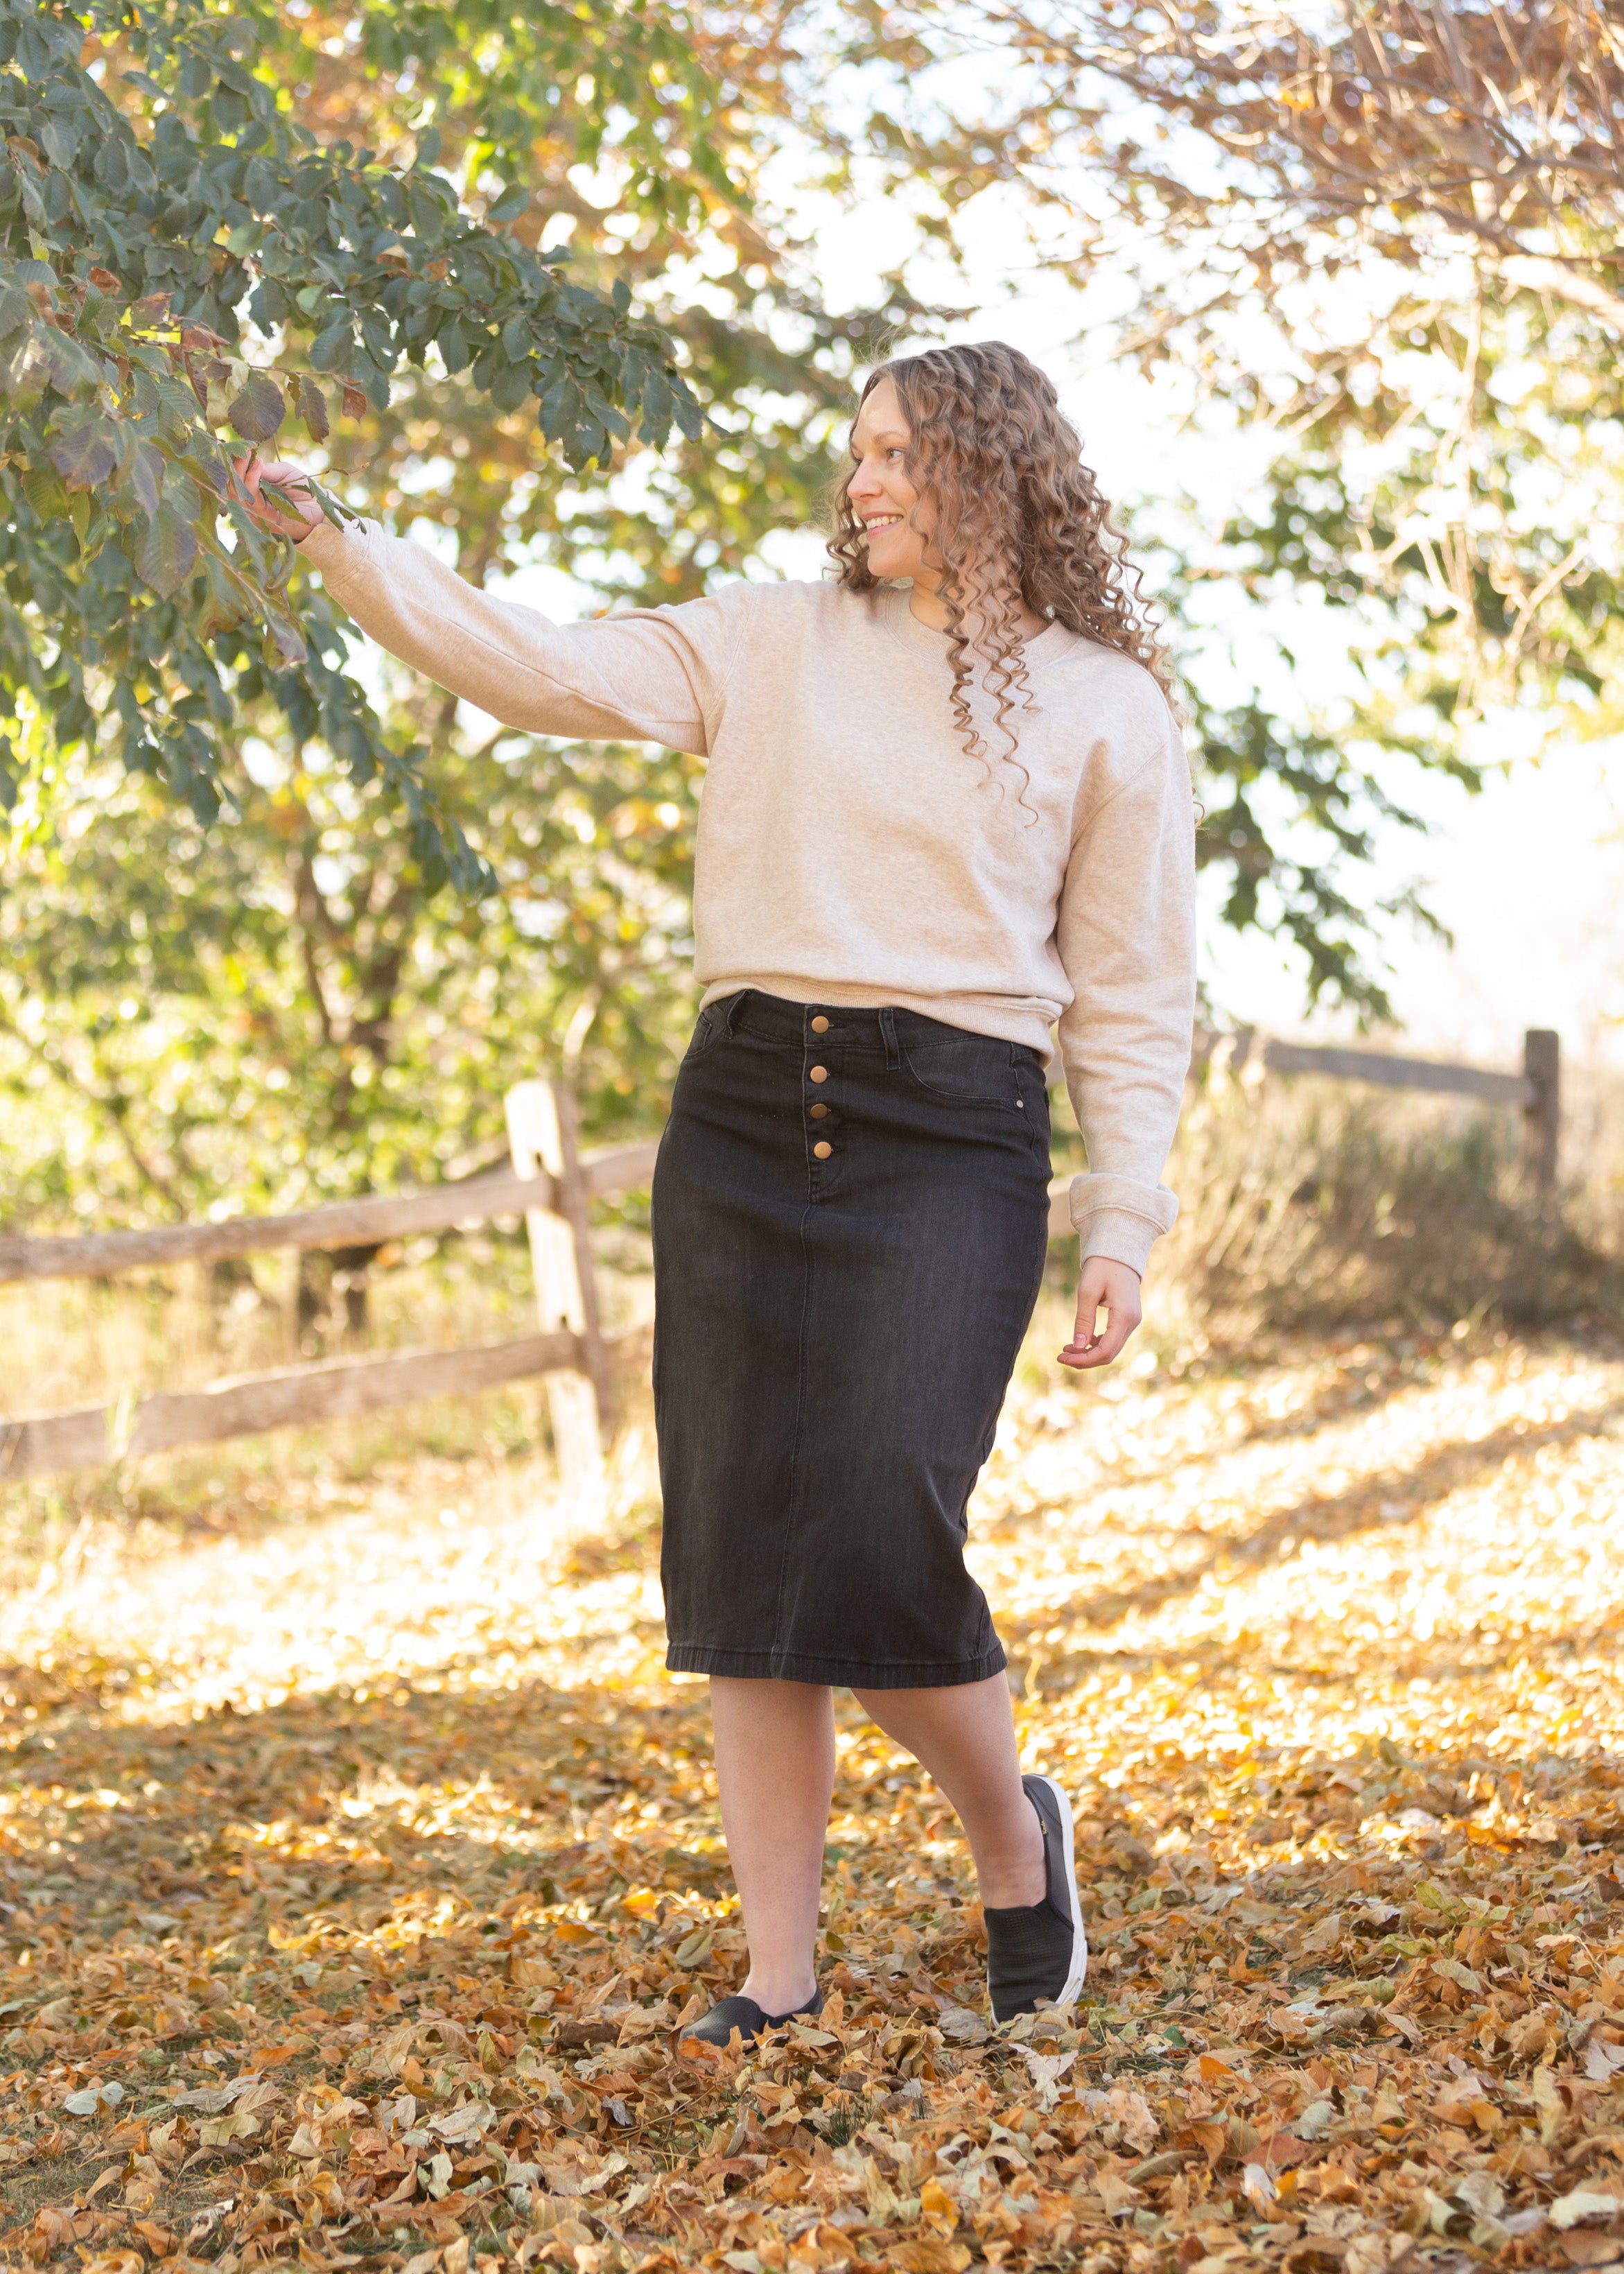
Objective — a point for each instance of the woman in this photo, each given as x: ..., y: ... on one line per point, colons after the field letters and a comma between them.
x: 946, y: 806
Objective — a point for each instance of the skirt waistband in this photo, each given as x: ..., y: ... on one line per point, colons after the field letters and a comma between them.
x: 772, y: 1019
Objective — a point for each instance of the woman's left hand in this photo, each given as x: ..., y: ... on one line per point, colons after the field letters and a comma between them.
x: 1113, y: 1288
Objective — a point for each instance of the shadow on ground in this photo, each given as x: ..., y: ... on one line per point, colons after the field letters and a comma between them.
x: 1377, y: 1500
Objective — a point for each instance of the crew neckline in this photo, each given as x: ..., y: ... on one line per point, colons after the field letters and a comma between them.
x: 907, y: 628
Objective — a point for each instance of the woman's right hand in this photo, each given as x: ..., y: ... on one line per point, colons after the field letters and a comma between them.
x: 290, y: 511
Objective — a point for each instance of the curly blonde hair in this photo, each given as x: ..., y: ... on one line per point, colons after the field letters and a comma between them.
x: 1018, y: 519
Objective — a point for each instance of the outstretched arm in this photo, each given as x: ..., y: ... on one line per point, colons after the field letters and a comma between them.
x: 649, y: 674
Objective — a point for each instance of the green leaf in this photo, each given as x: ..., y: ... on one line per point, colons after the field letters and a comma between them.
x: 59, y: 142
x: 510, y: 205
x: 14, y: 309
x: 178, y: 408
x: 68, y: 367
x: 167, y: 551
x: 313, y: 410
x: 22, y: 369
x: 332, y: 350
x: 85, y: 455
x: 259, y: 410
x: 42, y: 486
x: 454, y: 346
x: 512, y: 385
x: 146, y: 476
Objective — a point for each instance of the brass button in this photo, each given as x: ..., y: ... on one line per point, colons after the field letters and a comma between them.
x: 820, y: 1074
x: 820, y: 1025
x: 818, y: 1112
x: 822, y: 1152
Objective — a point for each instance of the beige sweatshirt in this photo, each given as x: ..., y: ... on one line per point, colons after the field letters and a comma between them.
x: 850, y: 851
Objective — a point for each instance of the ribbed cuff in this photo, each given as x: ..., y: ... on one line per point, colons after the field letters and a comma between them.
x: 1121, y: 1219
x: 1118, y: 1236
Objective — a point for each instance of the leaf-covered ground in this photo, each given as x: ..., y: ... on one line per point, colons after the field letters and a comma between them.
x: 358, y: 1871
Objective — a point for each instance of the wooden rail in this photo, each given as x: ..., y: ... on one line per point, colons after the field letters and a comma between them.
x: 294, y: 1394
x: 1537, y: 1090
x: 1399, y: 1074
x: 343, y: 1223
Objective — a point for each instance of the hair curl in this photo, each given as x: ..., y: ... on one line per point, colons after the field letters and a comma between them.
x: 1020, y: 519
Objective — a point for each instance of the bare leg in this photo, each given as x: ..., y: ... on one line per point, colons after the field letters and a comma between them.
x: 965, y: 1737
x: 775, y: 1771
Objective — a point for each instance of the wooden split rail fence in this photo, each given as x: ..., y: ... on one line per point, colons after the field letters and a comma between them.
x: 551, y: 1184
x: 1537, y: 1091
x: 548, y: 1182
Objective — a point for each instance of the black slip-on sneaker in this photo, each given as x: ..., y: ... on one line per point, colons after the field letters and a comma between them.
x: 1040, y: 1950
x: 745, y: 2015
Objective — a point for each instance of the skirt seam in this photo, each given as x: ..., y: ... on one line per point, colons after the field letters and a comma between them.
x: 794, y: 1442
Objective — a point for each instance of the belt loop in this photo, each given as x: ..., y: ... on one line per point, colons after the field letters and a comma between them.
x: 734, y: 1005
x: 888, y: 1030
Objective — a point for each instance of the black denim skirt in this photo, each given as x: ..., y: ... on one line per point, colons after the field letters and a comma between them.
x: 851, y: 1214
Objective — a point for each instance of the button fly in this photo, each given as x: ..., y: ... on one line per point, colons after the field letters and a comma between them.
x: 820, y: 1074
x: 820, y: 1025
x: 822, y: 1152
x: 819, y: 1112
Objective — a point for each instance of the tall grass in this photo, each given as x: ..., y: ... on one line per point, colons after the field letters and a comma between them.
x: 1309, y: 1204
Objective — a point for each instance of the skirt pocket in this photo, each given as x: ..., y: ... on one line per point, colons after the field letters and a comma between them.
x: 965, y: 1070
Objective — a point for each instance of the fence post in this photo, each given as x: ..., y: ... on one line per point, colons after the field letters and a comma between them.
x: 539, y: 1119
x: 1542, y: 1066
x: 573, y: 1207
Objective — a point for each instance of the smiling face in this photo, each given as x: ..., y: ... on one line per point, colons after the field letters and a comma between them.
x: 896, y: 518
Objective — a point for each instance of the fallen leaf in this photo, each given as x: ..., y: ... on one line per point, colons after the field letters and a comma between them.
x: 1047, y: 2069
x: 1582, y: 2204
x: 463, y: 2124
x: 1117, y: 2197
x: 961, y: 2025
x: 93, y: 2099
x: 1590, y: 2249
x: 1258, y: 2187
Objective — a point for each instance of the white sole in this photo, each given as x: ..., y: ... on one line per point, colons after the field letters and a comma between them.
x: 1079, y: 1938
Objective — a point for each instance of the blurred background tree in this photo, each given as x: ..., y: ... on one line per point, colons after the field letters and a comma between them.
x: 287, y: 1003
x: 1387, y: 235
